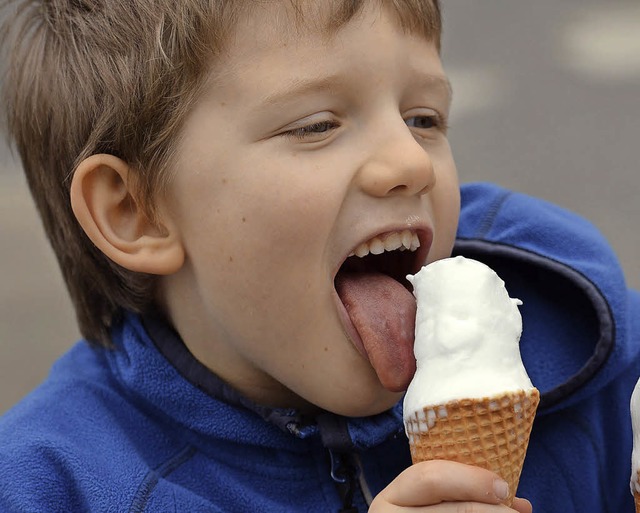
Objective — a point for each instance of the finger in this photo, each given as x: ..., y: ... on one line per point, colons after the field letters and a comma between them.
x: 448, y: 507
x: 433, y: 482
x: 522, y: 505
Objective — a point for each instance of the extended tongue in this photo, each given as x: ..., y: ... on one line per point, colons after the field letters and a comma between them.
x: 383, y: 312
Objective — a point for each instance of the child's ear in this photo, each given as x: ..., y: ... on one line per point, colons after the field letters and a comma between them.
x: 112, y: 218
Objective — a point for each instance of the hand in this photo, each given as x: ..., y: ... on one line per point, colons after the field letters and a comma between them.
x: 446, y: 487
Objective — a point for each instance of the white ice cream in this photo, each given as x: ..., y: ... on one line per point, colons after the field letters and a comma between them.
x: 635, y: 425
x: 467, y: 335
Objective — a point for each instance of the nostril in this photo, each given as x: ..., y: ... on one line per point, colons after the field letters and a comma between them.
x: 426, y: 189
x: 398, y: 189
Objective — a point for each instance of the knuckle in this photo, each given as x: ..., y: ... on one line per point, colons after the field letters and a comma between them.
x: 376, y: 504
x: 428, y: 476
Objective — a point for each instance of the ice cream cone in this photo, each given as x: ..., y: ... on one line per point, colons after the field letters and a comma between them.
x: 491, y: 432
x: 634, y: 481
x: 635, y: 487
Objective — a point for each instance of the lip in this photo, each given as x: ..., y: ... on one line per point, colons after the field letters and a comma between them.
x: 425, y: 236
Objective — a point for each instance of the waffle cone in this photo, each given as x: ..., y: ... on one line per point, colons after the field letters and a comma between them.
x: 490, y: 432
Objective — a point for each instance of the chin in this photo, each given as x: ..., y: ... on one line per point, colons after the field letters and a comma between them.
x: 364, y: 406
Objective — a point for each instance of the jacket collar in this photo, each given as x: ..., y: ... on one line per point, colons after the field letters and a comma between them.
x: 152, y: 361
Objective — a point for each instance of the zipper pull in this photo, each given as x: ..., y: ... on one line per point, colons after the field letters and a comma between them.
x: 343, y: 474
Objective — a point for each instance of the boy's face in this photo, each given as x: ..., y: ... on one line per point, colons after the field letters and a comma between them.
x: 303, y: 147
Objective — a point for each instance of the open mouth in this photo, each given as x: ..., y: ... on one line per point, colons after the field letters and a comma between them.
x: 393, y: 254
x: 378, y: 309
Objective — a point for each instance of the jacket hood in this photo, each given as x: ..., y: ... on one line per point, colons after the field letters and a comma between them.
x: 577, y: 312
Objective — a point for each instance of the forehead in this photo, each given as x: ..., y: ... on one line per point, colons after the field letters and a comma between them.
x: 272, y: 56
x: 277, y: 38
x: 296, y: 18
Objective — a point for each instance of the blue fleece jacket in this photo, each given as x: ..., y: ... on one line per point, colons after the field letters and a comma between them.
x: 145, y: 428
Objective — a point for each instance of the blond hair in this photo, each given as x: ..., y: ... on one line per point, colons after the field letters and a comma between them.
x: 119, y: 77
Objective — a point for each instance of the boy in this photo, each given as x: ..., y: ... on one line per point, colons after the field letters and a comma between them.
x: 228, y: 187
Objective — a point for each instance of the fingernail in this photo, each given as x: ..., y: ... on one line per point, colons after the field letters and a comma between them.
x: 501, y: 489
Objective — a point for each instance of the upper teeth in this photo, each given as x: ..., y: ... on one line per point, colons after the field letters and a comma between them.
x: 403, y: 240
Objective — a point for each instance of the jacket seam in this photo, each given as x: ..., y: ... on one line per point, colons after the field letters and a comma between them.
x: 152, y: 478
x: 492, y: 213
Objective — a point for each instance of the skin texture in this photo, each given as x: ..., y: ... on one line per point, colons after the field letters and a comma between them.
x: 446, y: 487
x: 303, y: 145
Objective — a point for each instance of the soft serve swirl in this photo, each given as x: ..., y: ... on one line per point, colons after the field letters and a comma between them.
x: 467, y: 335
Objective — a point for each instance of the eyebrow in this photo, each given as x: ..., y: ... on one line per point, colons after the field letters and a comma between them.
x: 301, y: 86
x: 437, y: 82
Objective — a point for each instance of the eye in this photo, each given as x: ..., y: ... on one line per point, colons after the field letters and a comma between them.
x: 423, y: 122
x: 312, y: 131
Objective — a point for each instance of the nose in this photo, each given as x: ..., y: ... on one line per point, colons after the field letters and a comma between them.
x: 400, y: 166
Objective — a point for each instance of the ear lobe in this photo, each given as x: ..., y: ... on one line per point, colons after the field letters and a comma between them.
x: 112, y: 218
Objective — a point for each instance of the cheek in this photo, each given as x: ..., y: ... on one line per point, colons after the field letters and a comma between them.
x: 266, y: 243
x: 445, y: 206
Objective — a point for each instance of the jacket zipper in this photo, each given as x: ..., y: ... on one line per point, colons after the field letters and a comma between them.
x: 345, y: 474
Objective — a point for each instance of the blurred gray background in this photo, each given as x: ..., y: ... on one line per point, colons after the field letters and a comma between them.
x: 546, y: 101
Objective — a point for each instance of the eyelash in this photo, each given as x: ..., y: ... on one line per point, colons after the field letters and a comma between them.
x: 436, y: 121
x: 322, y: 127
x: 317, y: 128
